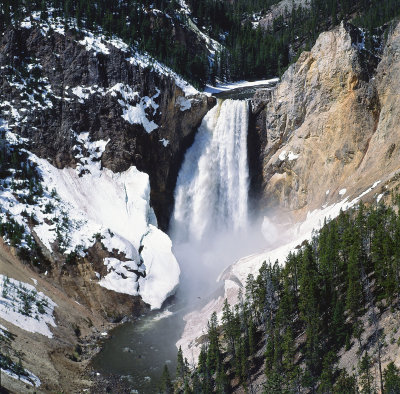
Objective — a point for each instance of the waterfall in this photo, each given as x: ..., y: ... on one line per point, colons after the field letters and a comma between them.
x: 211, y: 194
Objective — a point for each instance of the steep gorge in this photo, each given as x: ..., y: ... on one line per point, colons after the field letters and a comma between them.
x: 326, y: 133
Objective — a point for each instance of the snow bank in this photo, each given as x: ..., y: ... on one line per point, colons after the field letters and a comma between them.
x: 284, y: 155
x: 121, y: 276
x: 117, y: 206
x: 23, y: 306
x: 224, y: 87
x: 295, y: 236
x: 183, y: 103
x: 162, y: 269
x: 83, y: 205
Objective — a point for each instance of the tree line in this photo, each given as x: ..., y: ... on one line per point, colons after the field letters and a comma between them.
x: 295, y: 320
x: 249, y: 52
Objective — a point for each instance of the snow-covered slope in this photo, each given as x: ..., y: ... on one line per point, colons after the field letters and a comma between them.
x: 117, y: 206
x: 89, y: 204
x: 23, y: 306
x: 99, y: 43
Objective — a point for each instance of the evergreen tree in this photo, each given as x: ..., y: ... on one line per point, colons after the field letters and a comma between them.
x: 392, y: 379
x: 166, y: 386
x: 366, y: 378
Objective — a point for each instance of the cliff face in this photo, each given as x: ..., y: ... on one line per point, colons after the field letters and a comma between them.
x: 84, y: 84
x: 104, y: 130
x: 330, y: 123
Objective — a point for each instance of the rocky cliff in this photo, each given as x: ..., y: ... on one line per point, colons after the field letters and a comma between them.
x: 328, y: 130
x: 56, y: 83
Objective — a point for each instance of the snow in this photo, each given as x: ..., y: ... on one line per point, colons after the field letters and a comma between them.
x: 378, y: 199
x: 90, y: 203
x: 133, y: 107
x: 78, y: 91
x: 184, y: 7
x: 99, y: 43
x: 376, y: 184
x: 224, y: 87
x: 284, y: 155
x: 26, y: 24
x: 327, y: 192
x: 34, y: 281
x: 135, y: 114
x: 117, y: 206
x: 120, y: 277
x: 183, y: 103
x: 162, y: 269
x: 360, y: 45
x: 94, y: 43
x: 342, y: 192
x: 295, y: 236
x: 12, y: 293
x: 212, y: 45
x: 145, y: 60
x: 292, y: 156
x: 32, y: 379
x: 165, y: 142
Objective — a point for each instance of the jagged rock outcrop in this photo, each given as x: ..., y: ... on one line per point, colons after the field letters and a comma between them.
x: 282, y: 10
x: 77, y: 96
x: 330, y: 124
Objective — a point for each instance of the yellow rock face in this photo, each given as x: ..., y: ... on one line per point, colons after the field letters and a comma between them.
x: 332, y: 124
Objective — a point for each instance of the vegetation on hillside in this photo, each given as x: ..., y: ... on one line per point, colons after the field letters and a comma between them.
x: 296, y: 320
x: 249, y: 52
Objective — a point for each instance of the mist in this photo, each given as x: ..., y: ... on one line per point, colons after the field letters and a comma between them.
x: 211, y: 226
x: 202, y: 261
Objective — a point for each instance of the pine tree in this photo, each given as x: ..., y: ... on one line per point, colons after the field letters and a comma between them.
x: 366, y: 378
x: 309, y: 301
x: 166, y: 386
x: 345, y: 384
x: 392, y: 379
x: 180, y: 365
x: 328, y: 373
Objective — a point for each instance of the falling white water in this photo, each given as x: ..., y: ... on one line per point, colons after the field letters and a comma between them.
x: 212, y: 187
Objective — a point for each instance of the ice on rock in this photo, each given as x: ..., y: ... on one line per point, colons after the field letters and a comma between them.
x: 162, y: 269
x: 165, y: 142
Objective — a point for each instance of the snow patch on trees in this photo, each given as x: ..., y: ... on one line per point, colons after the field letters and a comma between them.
x: 23, y: 306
